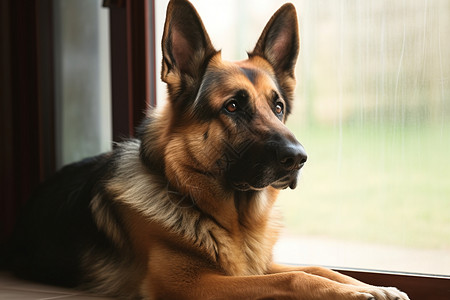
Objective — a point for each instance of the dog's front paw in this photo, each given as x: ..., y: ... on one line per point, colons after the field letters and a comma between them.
x: 386, y: 293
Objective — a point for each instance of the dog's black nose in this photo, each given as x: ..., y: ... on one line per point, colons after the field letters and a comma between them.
x: 291, y: 156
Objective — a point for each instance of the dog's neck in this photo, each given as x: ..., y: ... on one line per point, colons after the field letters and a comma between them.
x: 235, y: 211
x: 240, y: 222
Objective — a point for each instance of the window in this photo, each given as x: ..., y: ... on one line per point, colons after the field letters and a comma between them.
x: 82, y: 81
x: 373, y: 112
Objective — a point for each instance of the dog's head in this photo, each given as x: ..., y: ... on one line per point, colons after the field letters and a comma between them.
x: 227, y: 118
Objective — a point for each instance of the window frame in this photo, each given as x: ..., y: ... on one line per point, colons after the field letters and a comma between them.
x: 131, y: 61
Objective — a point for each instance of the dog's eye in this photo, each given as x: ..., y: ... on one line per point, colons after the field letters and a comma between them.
x: 279, y: 108
x: 231, y: 106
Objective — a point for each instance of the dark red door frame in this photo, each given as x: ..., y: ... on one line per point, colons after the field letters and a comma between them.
x: 26, y: 85
x: 130, y: 61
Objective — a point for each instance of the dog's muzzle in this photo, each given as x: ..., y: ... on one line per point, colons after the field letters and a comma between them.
x: 275, y: 163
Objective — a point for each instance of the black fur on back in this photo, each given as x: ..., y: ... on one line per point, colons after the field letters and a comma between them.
x: 57, y: 226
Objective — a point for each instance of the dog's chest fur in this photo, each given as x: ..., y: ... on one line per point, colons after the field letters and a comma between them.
x: 245, y: 249
x: 248, y: 250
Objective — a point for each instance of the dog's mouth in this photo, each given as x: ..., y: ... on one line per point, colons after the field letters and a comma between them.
x: 242, y: 186
x: 284, y: 183
x: 288, y: 181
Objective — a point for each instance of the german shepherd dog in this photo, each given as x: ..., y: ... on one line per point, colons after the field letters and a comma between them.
x: 186, y: 210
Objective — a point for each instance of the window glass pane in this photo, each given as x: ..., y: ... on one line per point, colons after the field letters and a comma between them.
x: 82, y: 79
x: 373, y: 112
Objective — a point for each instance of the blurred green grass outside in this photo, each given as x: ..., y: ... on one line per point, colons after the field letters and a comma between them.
x: 382, y: 184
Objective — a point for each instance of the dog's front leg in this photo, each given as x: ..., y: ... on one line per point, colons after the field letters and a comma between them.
x: 287, y: 285
x: 319, y: 271
x: 377, y: 292
x: 176, y: 275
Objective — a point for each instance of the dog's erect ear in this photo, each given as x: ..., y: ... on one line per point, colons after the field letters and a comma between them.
x: 186, y: 45
x: 279, y: 45
x: 279, y: 41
